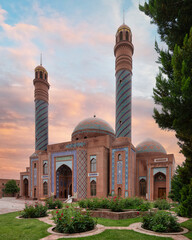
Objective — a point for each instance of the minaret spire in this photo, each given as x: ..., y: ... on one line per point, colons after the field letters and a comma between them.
x: 41, y: 59
x: 123, y: 16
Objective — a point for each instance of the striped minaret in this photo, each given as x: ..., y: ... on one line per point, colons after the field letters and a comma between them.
x: 41, y: 108
x: 123, y: 52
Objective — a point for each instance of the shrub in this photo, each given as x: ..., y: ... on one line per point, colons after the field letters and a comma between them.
x: 185, y: 207
x: 52, y: 204
x: 161, y: 222
x: 116, y: 205
x: 34, y: 211
x: 162, y: 204
x: 144, y: 207
x: 71, y: 220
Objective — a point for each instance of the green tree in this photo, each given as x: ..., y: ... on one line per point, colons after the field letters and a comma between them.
x: 11, y: 187
x: 173, y: 90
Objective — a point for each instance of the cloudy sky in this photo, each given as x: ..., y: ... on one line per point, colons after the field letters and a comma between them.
x: 76, y: 38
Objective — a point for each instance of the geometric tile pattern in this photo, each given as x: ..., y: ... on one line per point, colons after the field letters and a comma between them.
x: 41, y: 125
x: 123, y: 103
x: 82, y: 173
x: 119, y: 172
x: 93, y: 125
x: 150, y: 146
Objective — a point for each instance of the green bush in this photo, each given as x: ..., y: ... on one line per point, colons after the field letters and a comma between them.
x: 71, y: 220
x: 34, y: 211
x: 161, y: 222
x: 162, y: 204
x: 144, y: 207
x: 52, y: 204
x: 185, y: 207
x: 116, y: 205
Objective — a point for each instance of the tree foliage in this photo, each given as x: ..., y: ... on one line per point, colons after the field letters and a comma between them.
x: 11, y: 187
x: 173, y: 90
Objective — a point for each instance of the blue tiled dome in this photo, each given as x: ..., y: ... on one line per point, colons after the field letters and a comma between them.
x: 91, y: 127
x: 150, y: 146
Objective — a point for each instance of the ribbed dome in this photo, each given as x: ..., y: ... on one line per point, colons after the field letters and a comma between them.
x: 92, y: 127
x: 150, y: 145
x: 123, y: 27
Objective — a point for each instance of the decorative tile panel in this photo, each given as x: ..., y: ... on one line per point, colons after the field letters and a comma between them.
x: 82, y: 173
x: 31, y: 167
x: 113, y: 167
x: 119, y: 172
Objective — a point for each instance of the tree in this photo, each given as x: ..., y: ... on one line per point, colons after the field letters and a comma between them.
x: 173, y: 90
x: 11, y: 187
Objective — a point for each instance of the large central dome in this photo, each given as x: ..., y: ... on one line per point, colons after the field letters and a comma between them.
x: 92, y: 127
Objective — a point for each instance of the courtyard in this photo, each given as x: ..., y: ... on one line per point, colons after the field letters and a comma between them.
x: 12, y: 228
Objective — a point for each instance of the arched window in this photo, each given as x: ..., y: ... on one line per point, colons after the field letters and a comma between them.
x: 34, y: 165
x: 93, y: 165
x: 116, y: 39
x: 45, y: 76
x: 36, y: 74
x: 45, y: 168
x: 45, y: 188
x: 126, y: 35
x: 119, y: 157
x: 41, y: 74
x: 142, y: 187
x: 121, y: 36
x: 93, y: 188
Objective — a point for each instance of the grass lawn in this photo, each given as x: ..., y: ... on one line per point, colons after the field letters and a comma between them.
x: 21, y: 229
x: 117, y: 223
x: 120, y: 235
x: 188, y: 225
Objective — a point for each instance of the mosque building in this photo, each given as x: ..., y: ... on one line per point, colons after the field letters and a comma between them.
x: 98, y: 161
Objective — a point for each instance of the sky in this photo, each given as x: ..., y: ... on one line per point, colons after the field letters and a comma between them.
x: 76, y: 39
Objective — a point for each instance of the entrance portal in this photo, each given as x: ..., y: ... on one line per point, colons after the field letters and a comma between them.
x: 64, y: 181
x: 159, y: 185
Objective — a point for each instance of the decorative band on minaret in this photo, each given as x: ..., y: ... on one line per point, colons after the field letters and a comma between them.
x: 41, y: 108
x: 123, y: 51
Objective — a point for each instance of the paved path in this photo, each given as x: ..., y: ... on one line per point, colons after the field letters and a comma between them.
x: 11, y: 204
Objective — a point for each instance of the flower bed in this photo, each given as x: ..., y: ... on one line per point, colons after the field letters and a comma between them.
x: 71, y: 220
x: 115, y: 204
x: 161, y: 222
x: 34, y: 211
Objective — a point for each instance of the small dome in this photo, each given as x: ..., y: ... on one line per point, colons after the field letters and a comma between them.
x: 150, y: 145
x: 92, y: 127
x: 40, y: 68
x: 124, y: 27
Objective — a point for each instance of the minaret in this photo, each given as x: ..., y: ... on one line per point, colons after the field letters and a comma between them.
x: 41, y: 107
x: 123, y: 51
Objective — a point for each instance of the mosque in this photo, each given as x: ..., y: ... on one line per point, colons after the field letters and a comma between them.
x: 98, y: 161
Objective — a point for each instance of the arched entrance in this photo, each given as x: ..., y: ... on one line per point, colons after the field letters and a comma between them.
x: 159, y: 185
x: 25, y: 187
x: 64, y: 181
x: 142, y: 187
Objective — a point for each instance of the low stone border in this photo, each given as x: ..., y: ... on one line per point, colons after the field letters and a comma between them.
x: 185, y: 230
x: 98, y: 229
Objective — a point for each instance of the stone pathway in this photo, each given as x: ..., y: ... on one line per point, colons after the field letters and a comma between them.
x: 11, y: 204
x: 100, y: 228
